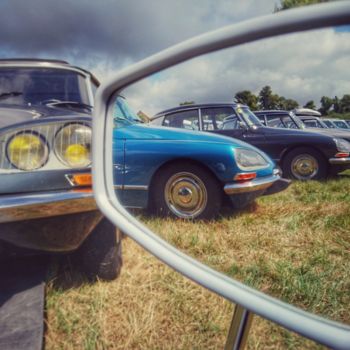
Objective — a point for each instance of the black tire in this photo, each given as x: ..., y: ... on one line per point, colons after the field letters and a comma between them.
x: 100, y: 255
x: 187, y: 191
x: 305, y: 163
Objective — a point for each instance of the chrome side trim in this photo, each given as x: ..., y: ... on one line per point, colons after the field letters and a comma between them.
x: 339, y: 161
x: 131, y: 187
x: 69, y: 178
x: 53, y: 65
x: 251, y: 186
x: 19, y: 207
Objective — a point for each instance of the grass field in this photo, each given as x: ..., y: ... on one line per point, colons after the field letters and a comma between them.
x: 294, y: 245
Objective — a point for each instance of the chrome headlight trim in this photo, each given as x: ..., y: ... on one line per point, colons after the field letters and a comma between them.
x: 58, y: 149
x: 48, y: 129
x: 43, y: 143
x: 249, y: 159
x: 342, y: 145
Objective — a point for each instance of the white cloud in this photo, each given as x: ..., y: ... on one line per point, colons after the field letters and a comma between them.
x: 301, y: 66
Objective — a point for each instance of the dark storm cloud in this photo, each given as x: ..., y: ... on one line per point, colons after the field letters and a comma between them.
x: 127, y: 30
x: 106, y: 35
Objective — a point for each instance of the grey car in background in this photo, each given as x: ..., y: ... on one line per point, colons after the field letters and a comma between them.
x: 46, y: 200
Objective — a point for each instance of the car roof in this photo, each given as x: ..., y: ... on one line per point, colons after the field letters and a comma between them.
x: 10, y: 60
x: 309, y: 117
x: 271, y: 111
x: 49, y: 63
x: 306, y: 111
x: 197, y: 105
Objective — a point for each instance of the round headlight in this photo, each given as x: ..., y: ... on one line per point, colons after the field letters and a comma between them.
x: 73, y: 145
x: 27, y: 151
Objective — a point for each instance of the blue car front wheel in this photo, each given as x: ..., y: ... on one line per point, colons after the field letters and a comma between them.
x: 187, y: 191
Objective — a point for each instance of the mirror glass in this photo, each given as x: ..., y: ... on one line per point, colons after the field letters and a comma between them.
x: 193, y: 162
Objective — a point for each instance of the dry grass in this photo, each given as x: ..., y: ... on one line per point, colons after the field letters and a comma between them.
x: 294, y: 245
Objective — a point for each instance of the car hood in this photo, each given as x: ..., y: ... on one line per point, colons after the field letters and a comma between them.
x: 288, y: 132
x: 332, y: 132
x: 15, y: 114
x: 150, y: 132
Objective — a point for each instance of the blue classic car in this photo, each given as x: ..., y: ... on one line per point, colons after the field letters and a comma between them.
x: 186, y: 174
x: 46, y: 201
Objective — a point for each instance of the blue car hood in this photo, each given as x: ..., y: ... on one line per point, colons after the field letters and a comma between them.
x: 150, y: 132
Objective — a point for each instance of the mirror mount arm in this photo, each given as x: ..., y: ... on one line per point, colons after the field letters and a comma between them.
x: 239, y: 329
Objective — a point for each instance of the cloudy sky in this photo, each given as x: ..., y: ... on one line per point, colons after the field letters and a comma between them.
x: 107, y: 35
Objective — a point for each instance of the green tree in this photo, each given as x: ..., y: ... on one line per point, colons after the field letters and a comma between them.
x: 248, y: 98
x: 186, y: 103
x: 267, y: 100
x: 336, y: 105
x: 310, y: 104
x: 326, y: 104
x: 288, y: 4
x: 290, y: 104
x: 285, y: 103
x: 280, y: 102
x: 345, y: 104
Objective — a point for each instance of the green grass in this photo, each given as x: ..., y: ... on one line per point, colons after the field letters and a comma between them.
x: 294, y: 245
x: 339, y: 115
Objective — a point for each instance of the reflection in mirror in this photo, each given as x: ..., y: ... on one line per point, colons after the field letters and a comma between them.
x: 187, y: 168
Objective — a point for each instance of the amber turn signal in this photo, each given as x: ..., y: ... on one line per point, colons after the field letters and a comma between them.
x: 80, y: 179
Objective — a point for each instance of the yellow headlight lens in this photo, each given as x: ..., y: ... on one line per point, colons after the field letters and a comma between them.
x: 76, y: 154
x: 27, y: 151
x: 73, y: 144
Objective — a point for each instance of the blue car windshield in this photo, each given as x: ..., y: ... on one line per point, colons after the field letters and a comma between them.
x: 33, y: 86
x: 123, y: 114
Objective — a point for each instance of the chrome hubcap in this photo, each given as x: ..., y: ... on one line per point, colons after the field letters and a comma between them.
x: 304, y: 167
x: 185, y: 195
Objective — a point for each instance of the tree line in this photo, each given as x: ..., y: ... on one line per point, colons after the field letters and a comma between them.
x: 266, y: 99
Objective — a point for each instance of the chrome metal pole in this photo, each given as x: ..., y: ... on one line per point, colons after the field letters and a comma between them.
x: 239, y: 328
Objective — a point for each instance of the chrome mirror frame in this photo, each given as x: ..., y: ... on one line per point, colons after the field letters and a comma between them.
x: 326, y: 332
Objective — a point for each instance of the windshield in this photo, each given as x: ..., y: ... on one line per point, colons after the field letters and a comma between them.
x: 314, y: 123
x: 329, y: 124
x: 33, y: 86
x: 248, y: 116
x: 340, y: 124
x: 282, y: 121
x: 123, y: 114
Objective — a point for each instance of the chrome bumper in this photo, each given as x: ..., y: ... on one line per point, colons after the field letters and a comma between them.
x: 258, y: 184
x: 340, y: 161
x: 19, y: 207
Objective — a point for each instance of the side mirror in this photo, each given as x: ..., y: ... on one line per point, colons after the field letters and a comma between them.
x: 243, y: 126
x: 249, y: 300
